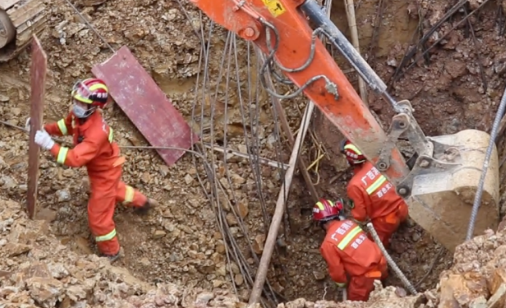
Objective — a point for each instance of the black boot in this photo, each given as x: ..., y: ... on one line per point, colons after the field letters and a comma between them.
x: 112, y: 258
x: 147, y: 206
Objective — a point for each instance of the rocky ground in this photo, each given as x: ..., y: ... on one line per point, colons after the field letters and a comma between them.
x: 38, y: 271
x: 181, y: 243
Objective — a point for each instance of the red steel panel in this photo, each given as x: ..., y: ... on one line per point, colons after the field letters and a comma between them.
x: 38, y: 83
x: 145, y: 104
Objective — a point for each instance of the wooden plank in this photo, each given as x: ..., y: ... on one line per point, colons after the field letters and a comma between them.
x: 145, y: 104
x: 38, y: 73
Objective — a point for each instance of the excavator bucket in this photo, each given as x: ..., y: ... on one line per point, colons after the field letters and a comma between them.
x: 19, y: 21
x: 441, y: 202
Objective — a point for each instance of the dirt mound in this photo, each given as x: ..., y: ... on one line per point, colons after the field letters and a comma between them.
x: 38, y: 271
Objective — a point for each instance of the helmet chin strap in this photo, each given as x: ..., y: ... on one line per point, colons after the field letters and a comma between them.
x: 89, y: 111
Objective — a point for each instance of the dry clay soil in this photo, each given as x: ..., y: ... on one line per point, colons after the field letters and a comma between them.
x: 180, y: 243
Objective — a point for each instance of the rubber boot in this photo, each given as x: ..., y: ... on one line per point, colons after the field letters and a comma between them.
x: 112, y: 258
x: 150, y: 203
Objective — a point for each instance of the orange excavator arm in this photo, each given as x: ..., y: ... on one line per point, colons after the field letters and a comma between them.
x: 442, y: 176
x: 282, y: 32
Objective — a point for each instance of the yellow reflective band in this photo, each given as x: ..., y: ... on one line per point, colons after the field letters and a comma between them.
x: 376, y: 184
x: 62, y: 155
x: 111, y: 134
x: 129, y: 194
x: 62, y: 127
x: 109, y: 236
x: 353, y: 148
x: 347, y: 239
x: 320, y: 205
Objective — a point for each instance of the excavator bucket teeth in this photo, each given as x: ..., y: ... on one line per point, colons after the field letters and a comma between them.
x: 441, y: 202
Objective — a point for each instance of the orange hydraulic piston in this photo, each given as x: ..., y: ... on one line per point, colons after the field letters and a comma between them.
x: 347, y: 112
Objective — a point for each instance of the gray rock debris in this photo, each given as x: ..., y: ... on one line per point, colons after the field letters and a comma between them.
x: 65, y: 279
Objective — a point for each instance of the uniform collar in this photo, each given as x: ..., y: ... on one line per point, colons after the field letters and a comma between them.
x: 86, y: 122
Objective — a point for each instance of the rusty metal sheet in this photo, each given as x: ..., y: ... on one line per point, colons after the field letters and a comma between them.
x: 38, y: 73
x: 145, y: 104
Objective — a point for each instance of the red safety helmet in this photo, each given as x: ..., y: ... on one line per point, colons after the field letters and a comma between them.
x: 325, y: 210
x: 92, y: 91
x: 353, y: 154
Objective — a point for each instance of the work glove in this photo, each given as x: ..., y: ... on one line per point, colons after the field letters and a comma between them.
x: 27, y: 125
x: 43, y: 139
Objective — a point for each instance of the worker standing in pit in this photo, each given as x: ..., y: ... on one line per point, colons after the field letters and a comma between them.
x: 94, y: 148
x: 349, y: 252
x: 373, y: 197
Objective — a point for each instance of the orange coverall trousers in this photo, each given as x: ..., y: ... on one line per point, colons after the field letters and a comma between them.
x: 106, y: 190
x: 385, y: 226
x: 360, y: 287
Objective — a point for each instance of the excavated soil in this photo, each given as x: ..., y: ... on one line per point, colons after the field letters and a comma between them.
x: 180, y: 243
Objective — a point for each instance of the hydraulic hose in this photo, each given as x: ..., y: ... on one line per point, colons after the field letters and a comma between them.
x: 479, y: 192
x: 390, y: 261
x: 315, y: 13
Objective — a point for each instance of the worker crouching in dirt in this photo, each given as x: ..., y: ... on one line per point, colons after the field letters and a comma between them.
x: 348, y: 252
x: 374, y: 197
x: 94, y: 148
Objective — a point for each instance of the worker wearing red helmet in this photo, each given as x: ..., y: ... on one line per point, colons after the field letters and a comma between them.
x: 94, y: 148
x: 353, y: 260
x: 373, y: 196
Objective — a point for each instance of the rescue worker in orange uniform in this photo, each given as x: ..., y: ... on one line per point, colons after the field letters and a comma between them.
x: 352, y: 258
x: 374, y: 197
x: 94, y: 148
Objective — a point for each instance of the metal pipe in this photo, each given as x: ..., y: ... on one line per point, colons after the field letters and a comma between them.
x: 390, y: 261
x: 479, y: 192
x: 313, y: 10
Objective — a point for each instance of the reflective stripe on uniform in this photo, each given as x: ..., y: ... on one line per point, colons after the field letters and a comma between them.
x: 62, y: 155
x: 129, y: 194
x: 110, y: 135
x: 347, y: 239
x: 62, y: 127
x: 320, y: 205
x: 109, y: 236
x: 376, y: 184
x: 353, y: 148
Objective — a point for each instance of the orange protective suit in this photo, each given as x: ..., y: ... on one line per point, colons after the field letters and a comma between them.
x: 94, y: 148
x: 349, y: 252
x: 374, y: 198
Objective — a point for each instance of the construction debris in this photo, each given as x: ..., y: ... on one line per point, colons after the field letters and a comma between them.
x: 38, y: 271
x: 38, y: 84
x: 194, y: 252
x: 145, y: 104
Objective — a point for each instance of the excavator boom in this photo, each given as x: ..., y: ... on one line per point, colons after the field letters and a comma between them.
x: 439, y: 186
x: 283, y: 34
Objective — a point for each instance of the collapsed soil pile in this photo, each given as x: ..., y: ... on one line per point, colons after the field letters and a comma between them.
x: 38, y: 271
